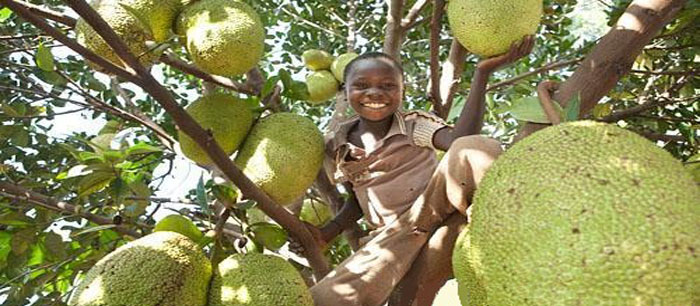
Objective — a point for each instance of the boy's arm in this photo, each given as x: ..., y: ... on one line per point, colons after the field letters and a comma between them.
x: 471, y: 119
x: 348, y: 214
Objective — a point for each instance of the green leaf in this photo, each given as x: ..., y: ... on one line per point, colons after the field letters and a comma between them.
x: 529, y: 109
x: 286, y: 79
x: 299, y: 91
x: 457, y: 105
x: 44, y: 58
x: 74, y: 171
x: 142, y: 148
x: 85, y: 156
x: 202, y: 195
x: 5, y: 14
x: 10, y: 111
x: 21, y: 240
x: 101, y: 142
x: 21, y: 138
x: 270, y: 235
x: 36, y: 257
x: 93, y: 229
x: 573, y: 108
x: 16, y: 219
x: 602, y: 110
x: 269, y: 86
x: 113, y: 156
x: 94, y: 182
x: 52, y: 78
x: 55, y: 246
x: 93, y: 83
x: 5, y: 247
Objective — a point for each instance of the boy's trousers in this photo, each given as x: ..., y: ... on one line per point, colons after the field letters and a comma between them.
x: 369, y: 276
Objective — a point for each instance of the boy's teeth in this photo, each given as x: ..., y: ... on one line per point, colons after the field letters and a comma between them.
x: 374, y: 105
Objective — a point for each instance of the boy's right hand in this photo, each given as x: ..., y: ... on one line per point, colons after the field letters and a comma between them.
x: 297, y: 248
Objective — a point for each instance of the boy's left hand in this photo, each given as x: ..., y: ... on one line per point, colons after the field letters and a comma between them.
x: 517, y: 50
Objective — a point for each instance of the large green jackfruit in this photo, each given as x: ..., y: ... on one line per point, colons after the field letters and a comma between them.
x: 339, y: 64
x: 315, y: 212
x: 489, y: 27
x: 224, y: 37
x: 125, y: 25
x: 282, y: 155
x: 160, y: 269
x: 582, y: 213
x: 227, y: 117
x: 322, y: 86
x: 315, y: 59
x: 256, y: 279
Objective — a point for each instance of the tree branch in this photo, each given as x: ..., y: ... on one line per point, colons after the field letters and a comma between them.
x: 48, y: 14
x: 24, y: 194
x: 614, y: 55
x: 435, y: 27
x: 206, y: 141
x: 172, y: 60
x: 394, y: 32
x: 660, y: 101
x: 26, y: 13
x: 412, y: 14
x: 548, y: 67
x: 452, y: 70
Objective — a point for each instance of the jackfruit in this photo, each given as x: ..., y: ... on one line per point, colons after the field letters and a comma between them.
x: 317, y: 59
x: 315, y: 212
x: 282, y: 155
x: 159, y: 15
x: 125, y: 25
x: 256, y: 279
x: 224, y: 37
x: 180, y: 225
x: 228, y: 118
x: 163, y: 268
x: 488, y: 28
x: 322, y: 86
x: 339, y: 64
x: 582, y: 213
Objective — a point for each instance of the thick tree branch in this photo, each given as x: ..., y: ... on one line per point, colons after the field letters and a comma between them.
x: 393, y: 33
x: 24, y: 194
x: 352, y: 24
x: 614, y: 55
x: 413, y: 14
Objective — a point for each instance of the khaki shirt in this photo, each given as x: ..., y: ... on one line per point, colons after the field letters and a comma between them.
x: 388, y: 178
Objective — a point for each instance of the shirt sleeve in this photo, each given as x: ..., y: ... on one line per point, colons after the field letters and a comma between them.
x: 424, y: 127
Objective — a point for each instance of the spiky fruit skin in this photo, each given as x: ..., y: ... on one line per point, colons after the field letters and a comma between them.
x: 224, y: 37
x: 317, y: 59
x: 228, y: 118
x: 582, y: 213
x: 180, y: 225
x: 282, y: 155
x: 315, y: 212
x: 322, y: 86
x: 125, y: 25
x: 163, y: 269
x: 159, y: 14
x: 339, y: 64
x: 489, y: 27
x: 256, y: 279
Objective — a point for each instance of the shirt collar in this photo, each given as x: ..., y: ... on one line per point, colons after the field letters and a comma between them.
x: 340, y: 136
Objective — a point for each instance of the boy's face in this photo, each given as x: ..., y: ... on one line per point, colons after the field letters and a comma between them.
x: 374, y: 89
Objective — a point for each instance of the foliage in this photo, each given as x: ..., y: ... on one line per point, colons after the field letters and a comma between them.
x: 112, y: 173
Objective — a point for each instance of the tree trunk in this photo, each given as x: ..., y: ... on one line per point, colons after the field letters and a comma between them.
x: 614, y: 55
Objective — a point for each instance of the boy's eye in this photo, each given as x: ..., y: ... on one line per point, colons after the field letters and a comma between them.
x: 359, y: 85
x: 388, y: 86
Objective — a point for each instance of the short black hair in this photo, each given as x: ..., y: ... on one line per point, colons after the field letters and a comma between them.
x: 372, y: 55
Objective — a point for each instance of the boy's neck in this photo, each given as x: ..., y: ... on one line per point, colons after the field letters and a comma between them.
x: 377, y: 128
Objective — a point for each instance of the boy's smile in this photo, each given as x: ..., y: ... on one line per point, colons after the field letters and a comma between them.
x: 374, y: 89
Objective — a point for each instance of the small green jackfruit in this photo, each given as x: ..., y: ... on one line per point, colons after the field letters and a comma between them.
x: 488, y: 28
x: 256, y: 279
x: 339, y: 64
x: 282, y: 155
x: 317, y: 59
x: 315, y: 212
x: 322, y: 86
x: 582, y: 213
x: 228, y: 118
x: 224, y: 37
x: 160, y: 269
x: 180, y: 225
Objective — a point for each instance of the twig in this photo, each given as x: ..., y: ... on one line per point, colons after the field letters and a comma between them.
x: 649, y: 105
x: 311, y: 24
x: 24, y: 194
x: 48, y: 14
x: 542, y: 69
x: 172, y: 60
x: 680, y: 73
x: 435, y: 22
x: 412, y: 14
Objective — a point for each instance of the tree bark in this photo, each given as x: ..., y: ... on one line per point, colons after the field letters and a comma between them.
x: 394, y: 33
x: 614, y: 55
